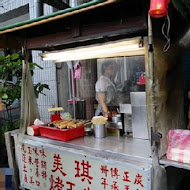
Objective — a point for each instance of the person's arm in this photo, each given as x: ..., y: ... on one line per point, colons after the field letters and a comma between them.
x: 102, y: 101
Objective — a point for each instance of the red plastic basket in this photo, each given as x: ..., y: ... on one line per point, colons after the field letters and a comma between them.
x: 61, y: 134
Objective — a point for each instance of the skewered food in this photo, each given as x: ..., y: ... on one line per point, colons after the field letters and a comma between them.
x: 67, y: 124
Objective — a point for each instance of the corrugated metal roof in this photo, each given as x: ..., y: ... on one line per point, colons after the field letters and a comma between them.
x: 55, y: 16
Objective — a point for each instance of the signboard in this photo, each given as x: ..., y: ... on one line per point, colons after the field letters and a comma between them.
x: 58, y: 168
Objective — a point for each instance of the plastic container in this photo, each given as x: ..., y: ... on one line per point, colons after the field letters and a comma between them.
x: 33, y: 130
x: 55, y: 117
x: 99, y: 130
x: 61, y: 134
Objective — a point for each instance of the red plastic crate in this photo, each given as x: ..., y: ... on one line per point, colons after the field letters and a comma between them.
x: 61, y: 134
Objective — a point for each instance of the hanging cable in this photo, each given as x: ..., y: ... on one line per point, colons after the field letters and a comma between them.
x: 165, y: 32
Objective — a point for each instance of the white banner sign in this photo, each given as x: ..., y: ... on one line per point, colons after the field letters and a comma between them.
x: 56, y: 169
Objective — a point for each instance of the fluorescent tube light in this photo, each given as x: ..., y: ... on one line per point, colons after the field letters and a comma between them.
x: 111, y: 49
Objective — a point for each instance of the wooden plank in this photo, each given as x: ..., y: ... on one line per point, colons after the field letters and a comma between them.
x: 88, y: 32
x: 9, y: 42
x: 20, y: 11
x: 76, y: 28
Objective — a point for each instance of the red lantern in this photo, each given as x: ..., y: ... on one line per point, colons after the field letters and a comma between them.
x: 158, y: 8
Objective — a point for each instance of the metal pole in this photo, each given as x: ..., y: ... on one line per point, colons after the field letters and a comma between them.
x: 38, y: 8
x: 24, y: 107
x: 151, y: 73
x: 73, y: 91
x: 69, y: 82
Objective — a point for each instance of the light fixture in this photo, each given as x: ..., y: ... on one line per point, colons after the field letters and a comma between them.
x: 158, y: 8
x: 111, y: 49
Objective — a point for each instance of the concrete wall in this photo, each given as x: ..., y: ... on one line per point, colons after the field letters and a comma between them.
x: 15, y: 20
x: 7, y: 5
x: 78, y: 2
x: 47, y: 76
x: 63, y: 85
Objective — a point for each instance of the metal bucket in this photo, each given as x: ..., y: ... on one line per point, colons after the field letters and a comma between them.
x: 99, y: 130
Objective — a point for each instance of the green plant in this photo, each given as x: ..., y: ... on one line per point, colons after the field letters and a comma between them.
x: 10, y: 89
x: 11, y: 70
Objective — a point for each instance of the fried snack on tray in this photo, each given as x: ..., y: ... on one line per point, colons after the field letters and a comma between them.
x: 66, y: 124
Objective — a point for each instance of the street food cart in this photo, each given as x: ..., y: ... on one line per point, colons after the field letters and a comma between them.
x: 113, y: 162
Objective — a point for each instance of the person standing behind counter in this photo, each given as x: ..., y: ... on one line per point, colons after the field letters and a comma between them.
x: 106, y: 90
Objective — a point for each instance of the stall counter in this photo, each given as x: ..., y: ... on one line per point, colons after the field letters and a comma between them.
x: 87, y: 163
x: 119, y: 146
x: 84, y: 163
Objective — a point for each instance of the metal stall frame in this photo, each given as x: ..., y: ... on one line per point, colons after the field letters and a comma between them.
x: 138, y: 152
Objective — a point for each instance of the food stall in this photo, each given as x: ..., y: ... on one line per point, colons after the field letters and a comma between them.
x: 88, y: 163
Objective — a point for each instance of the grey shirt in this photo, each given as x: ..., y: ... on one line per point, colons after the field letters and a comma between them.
x: 105, y: 85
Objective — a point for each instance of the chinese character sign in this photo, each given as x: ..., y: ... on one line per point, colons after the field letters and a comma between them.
x: 54, y: 169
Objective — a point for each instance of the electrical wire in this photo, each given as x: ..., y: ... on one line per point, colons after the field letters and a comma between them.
x: 166, y: 27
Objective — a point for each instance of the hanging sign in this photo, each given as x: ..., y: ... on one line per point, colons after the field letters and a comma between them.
x: 55, y: 168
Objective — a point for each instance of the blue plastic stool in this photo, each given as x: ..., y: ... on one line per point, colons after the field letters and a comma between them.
x: 6, y: 178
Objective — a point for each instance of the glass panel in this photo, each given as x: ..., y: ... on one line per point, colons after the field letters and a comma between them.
x: 115, y: 77
x: 128, y: 76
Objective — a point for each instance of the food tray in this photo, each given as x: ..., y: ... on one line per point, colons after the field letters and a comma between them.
x: 61, y: 134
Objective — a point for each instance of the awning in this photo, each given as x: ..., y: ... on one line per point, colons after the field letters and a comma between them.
x: 89, y: 23
x: 55, y: 16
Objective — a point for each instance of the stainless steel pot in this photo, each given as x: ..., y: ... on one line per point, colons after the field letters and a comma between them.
x: 116, y: 118
x: 99, y: 130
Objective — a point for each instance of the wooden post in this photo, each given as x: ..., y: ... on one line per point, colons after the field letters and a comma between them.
x: 12, y: 158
